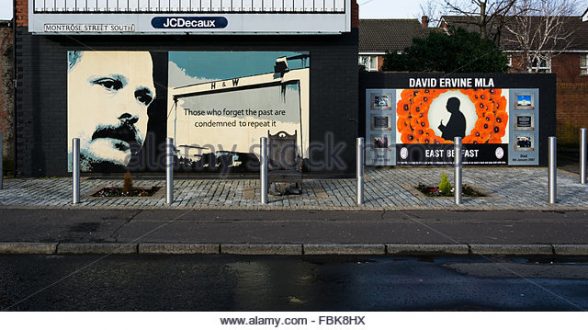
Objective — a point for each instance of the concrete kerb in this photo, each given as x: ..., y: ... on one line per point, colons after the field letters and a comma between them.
x: 261, y: 249
x: 97, y: 248
x: 295, y: 249
x: 427, y: 249
x: 27, y: 248
x: 570, y: 249
x: 178, y: 248
x: 344, y: 249
x: 512, y: 249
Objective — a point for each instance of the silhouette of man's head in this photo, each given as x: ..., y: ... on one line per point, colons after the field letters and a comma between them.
x: 453, y: 104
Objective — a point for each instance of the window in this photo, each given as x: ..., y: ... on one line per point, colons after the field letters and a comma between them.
x: 369, y: 62
x: 584, y: 64
x: 540, y: 63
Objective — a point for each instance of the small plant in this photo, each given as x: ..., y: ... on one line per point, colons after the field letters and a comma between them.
x: 445, y: 185
x: 127, y: 183
x: 128, y: 189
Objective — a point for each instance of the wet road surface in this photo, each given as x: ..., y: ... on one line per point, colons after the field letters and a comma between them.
x: 205, y: 283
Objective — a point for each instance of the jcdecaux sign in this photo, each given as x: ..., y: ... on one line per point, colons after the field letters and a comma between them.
x: 174, y: 22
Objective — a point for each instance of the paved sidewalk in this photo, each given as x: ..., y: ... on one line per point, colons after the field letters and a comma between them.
x: 386, y: 189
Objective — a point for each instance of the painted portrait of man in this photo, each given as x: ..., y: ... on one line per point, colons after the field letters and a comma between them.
x: 109, y: 93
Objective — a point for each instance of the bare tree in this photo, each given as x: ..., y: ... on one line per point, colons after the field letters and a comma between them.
x: 432, y: 10
x: 543, y: 33
x: 487, y: 15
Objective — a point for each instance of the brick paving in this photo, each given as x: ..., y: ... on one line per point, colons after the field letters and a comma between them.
x: 386, y: 188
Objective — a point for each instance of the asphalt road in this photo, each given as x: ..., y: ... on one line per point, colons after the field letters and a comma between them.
x: 204, y: 283
x: 320, y: 227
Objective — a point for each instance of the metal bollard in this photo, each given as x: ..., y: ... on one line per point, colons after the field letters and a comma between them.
x: 360, y: 157
x: 169, y: 170
x: 552, y: 175
x: 458, y: 165
x: 75, y: 170
x: 583, y: 155
x: 263, y: 170
x: 1, y: 161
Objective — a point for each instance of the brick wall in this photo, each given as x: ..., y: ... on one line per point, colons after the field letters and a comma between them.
x: 6, y: 90
x: 572, y: 111
x: 565, y: 66
x: 381, y: 62
x: 354, y: 14
x: 22, y: 12
x: 572, y: 92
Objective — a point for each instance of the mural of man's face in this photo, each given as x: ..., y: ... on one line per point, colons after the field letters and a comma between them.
x: 108, y: 96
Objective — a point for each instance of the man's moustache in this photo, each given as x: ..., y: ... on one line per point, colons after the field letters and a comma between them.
x: 124, y: 132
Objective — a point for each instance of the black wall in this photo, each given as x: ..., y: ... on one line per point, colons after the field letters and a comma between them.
x: 41, y: 96
x: 546, y: 83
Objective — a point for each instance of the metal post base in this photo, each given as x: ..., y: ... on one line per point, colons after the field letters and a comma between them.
x: 360, y: 170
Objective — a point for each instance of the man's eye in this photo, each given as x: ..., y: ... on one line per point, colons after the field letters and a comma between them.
x: 109, y: 83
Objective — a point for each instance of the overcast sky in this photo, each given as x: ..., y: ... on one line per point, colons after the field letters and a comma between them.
x: 391, y: 8
x: 368, y: 8
x: 6, y: 9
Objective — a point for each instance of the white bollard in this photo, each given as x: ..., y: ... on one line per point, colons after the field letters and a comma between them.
x: 583, y: 155
x: 75, y: 158
x: 1, y: 161
x: 360, y: 157
x: 458, y: 165
x: 169, y: 171
x: 552, y: 175
x: 263, y: 170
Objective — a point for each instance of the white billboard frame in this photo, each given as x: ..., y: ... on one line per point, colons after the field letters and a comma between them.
x: 78, y: 18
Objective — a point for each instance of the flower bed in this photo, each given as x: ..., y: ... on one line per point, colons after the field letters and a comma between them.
x: 119, y: 192
x: 434, y: 191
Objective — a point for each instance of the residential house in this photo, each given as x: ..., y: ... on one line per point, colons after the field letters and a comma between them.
x: 379, y: 36
x: 567, y: 59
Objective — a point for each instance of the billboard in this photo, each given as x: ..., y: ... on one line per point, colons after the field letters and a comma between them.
x: 216, y: 105
x: 417, y: 125
x: 190, y: 17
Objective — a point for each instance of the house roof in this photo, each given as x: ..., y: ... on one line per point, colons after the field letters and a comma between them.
x: 579, y: 38
x: 466, y: 22
x: 382, y: 35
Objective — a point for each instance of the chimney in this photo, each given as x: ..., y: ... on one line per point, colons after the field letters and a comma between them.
x: 444, y: 26
x: 425, y: 22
